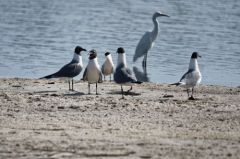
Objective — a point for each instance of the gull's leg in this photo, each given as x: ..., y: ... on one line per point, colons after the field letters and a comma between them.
x: 129, y: 89
x: 192, y: 98
x: 192, y: 92
x: 69, y: 85
x: 88, y: 88
x: 96, y: 89
x: 72, y: 84
x: 188, y: 92
x: 122, y: 92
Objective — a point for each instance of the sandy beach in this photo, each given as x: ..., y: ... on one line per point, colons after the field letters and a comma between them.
x: 42, y: 119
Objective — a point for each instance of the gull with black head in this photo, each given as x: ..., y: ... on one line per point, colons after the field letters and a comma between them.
x: 108, y: 66
x: 192, y: 77
x: 123, y: 75
x: 71, y: 69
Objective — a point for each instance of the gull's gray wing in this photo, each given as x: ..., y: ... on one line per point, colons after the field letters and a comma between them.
x: 85, y: 75
x: 186, y: 75
x: 69, y: 70
x: 102, y: 68
x: 123, y: 75
x: 100, y: 77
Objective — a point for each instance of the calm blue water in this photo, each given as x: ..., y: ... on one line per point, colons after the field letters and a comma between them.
x: 38, y: 37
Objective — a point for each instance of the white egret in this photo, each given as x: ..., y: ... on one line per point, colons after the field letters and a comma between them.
x: 147, y: 41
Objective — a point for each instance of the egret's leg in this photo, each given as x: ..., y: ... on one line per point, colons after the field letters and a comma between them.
x: 88, y: 88
x: 104, y: 78
x: 145, y: 73
x: 110, y: 77
x: 145, y: 70
x: 144, y: 63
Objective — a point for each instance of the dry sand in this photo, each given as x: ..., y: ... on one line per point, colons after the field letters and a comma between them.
x: 42, y: 119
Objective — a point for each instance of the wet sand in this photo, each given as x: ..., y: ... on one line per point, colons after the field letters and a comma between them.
x: 42, y: 119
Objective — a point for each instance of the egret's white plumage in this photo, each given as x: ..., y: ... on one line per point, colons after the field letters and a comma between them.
x: 147, y: 40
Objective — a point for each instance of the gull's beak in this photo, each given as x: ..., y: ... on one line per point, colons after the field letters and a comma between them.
x: 89, y: 53
x: 84, y: 50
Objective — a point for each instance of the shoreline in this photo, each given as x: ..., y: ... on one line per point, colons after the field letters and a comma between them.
x: 79, y: 77
x: 41, y: 118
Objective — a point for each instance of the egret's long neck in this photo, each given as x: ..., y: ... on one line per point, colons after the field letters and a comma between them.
x: 193, y: 65
x: 155, y: 29
x: 77, y: 58
x: 122, y: 59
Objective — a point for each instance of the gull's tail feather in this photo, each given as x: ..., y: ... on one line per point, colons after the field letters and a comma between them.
x: 137, y: 82
x: 177, y: 84
x: 47, y: 77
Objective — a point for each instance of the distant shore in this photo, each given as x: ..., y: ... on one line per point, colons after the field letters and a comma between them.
x: 42, y: 118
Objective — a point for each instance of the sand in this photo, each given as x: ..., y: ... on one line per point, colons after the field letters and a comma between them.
x: 42, y: 119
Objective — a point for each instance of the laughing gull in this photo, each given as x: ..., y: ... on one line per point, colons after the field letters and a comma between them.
x: 147, y: 40
x: 92, y: 73
x: 192, y: 77
x: 71, y: 69
x: 122, y: 74
x: 108, y: 66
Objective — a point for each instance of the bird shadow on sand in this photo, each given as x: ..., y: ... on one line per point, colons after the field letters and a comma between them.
x: 125, y: 93
x: 187, y: 100
x: 42, y: 92
x: 75, y: 93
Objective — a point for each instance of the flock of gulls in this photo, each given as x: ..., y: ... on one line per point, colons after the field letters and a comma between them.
x: 122, y: 75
